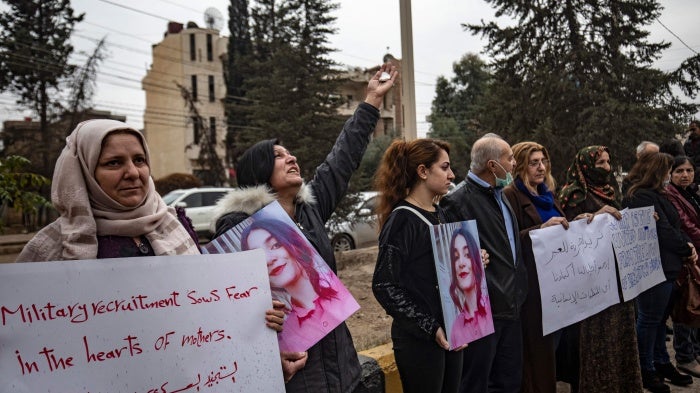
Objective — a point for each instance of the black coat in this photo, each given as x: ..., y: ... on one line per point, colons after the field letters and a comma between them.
x: 507, y: 279
x: 673, y: 243
x: 332, y: 365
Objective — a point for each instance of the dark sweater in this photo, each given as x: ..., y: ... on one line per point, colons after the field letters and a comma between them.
x: 405, y: 280
x: 673, y: 243
x: 124, y: 246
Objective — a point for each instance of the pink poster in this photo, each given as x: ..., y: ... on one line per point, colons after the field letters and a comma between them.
x: 465, y: 298
x: 316, y: 300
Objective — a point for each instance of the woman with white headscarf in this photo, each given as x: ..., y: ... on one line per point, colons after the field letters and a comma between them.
x: 108, y: 205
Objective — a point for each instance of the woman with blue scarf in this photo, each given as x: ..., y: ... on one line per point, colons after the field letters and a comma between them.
x: 535, y: 207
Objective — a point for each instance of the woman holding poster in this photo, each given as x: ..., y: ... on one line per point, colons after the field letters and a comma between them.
x: 413, y: 175
x: 601, y: 351
x: 103, y: 189
x: 468, y: 289
x: 268, y: 172
x: 535, y: 207
x: 646, y: 181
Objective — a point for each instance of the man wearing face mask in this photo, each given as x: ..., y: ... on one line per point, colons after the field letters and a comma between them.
x: 493, y: 363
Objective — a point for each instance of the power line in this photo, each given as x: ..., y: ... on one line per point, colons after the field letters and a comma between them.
x: 675, y: 35
x: 180, y: 5
x: 136, y: 10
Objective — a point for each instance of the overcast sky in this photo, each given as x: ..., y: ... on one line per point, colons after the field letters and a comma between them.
x: 366, y: 30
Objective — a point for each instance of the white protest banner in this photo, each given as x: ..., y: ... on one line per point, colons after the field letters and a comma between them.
x: 145, y: 325
x: 637, y: 249
x: 576, y: 270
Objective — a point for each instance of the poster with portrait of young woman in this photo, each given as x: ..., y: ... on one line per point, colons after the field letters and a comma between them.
x: 316, y: 300
x: 460, y: 272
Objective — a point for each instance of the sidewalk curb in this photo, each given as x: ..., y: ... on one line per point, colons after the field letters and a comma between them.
x: 384, y: 357
x: 14, y: 243
x: 11, y: 248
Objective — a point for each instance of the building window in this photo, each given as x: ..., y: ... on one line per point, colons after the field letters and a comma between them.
x: 194, y: 87
x: 210, y: 49
x: 212, y: 98
x: 193, y: 48
x: 212, y: 129
x: 196, y: 129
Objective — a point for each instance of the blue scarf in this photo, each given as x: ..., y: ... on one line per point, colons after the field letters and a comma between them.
x: 544, y: 202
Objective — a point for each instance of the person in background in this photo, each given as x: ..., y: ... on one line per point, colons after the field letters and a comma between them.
x: 410, y: 178
x: 643, y: 147
x: 268, y: 172
x: 686, y: 340
x: 494, y: 362
x: 646, y: 147
x: 535, y: 207
x: 647, y: 179
x: 673, y: 147
x: 692, y: 147
x: 598, y: 354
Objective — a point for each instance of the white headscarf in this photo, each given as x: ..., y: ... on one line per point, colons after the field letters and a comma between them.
x: 87, y: 211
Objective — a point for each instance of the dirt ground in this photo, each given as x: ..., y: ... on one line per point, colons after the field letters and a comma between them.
x: 370, y: 326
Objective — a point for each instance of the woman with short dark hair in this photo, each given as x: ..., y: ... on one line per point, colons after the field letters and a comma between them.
x: 268, y: 172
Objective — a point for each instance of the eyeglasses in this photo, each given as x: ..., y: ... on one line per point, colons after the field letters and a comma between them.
x: 536, y: 163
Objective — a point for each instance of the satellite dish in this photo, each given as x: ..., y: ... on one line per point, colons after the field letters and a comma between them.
x: 213, y: 19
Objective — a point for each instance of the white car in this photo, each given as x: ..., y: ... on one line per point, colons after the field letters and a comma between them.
x: 360, y: 230
x: 199, y: 204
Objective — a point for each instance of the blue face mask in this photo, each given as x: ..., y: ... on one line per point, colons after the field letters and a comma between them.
x: 500, y: 183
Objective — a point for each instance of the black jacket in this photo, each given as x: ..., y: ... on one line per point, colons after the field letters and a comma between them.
x: 507, y: 281
x: 673, y: 243
x: 332, y: 365
x: 405, y: 281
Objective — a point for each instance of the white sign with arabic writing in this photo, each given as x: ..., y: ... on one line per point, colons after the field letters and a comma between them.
x: 576, y: 271
x: 637, y: 249
x: 148, y: 325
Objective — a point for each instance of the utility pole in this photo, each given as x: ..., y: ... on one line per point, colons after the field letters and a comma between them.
x: 408, y: 96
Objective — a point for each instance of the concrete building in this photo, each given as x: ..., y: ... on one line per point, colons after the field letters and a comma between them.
x: 23, y: 138
x: 354, y: 89
x: 191, y: 58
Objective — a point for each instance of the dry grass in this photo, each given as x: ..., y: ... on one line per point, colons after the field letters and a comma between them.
x: 370, y: 326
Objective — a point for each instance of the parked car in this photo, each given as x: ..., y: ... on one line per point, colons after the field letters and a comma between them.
x: 359, y: 229
x: 199, y: 205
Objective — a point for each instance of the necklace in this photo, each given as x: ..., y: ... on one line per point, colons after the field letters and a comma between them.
x: 417, y: 203
x: 434, y: 212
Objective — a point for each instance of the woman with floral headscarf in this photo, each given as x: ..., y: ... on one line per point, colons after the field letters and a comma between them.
x: 606, y: 343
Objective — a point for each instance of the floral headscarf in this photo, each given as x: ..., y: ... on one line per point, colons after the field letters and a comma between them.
x: 583, y: 177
